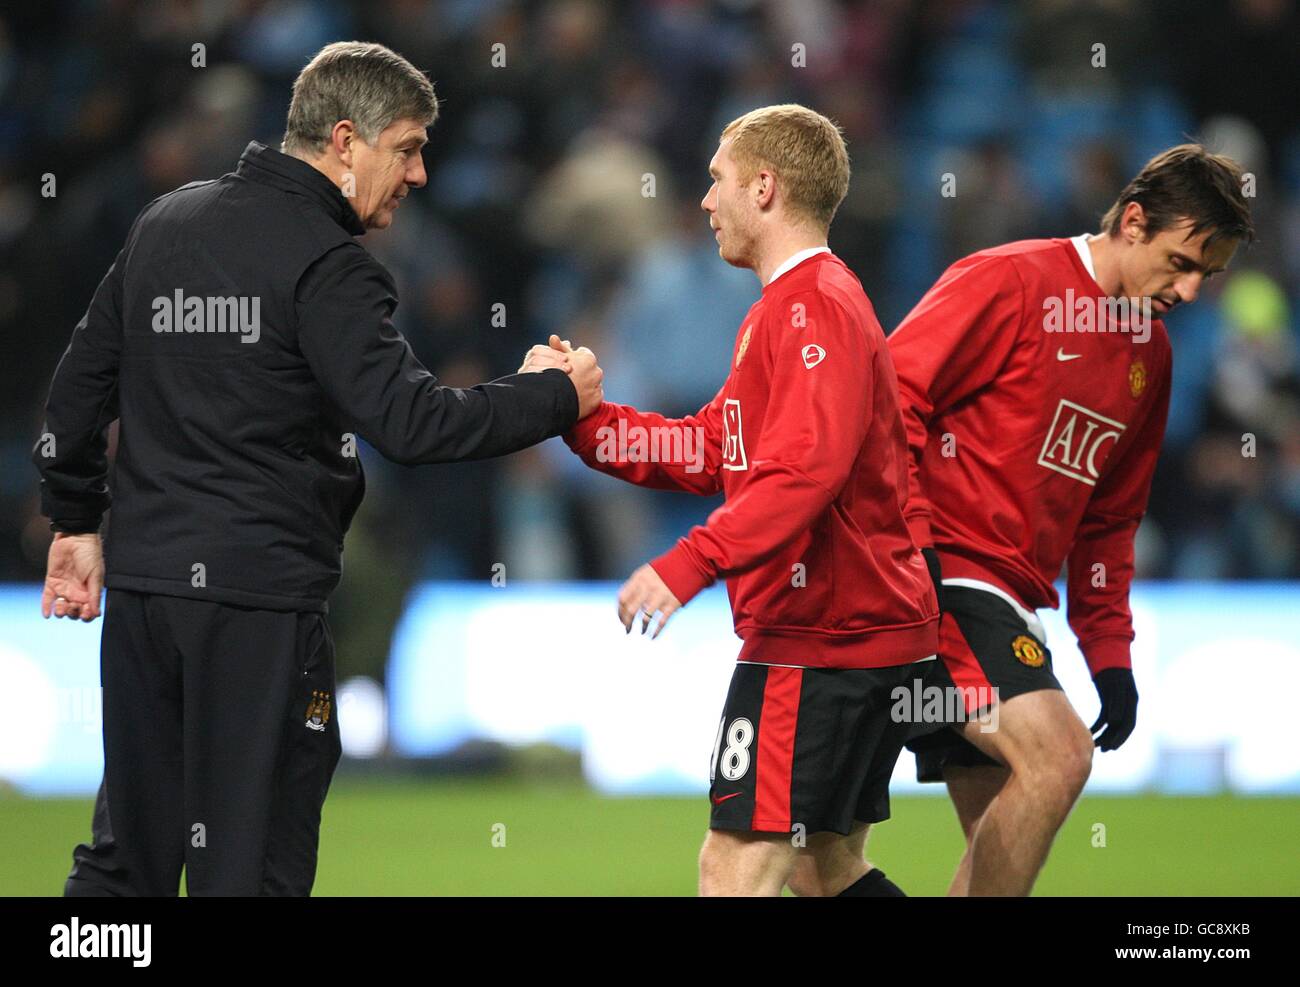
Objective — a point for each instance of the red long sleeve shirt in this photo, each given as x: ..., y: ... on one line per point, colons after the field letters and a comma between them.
x: 1032, y: 447
x: 806, y: 441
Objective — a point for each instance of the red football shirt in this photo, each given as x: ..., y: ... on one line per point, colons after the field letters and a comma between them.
x: 806, y: 441
x: 1030, y: 446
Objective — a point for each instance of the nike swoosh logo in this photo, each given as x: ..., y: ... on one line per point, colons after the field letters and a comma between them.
x: 719, y: 801
x: 1063, y: 356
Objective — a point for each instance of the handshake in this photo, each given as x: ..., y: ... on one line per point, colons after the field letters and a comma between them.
x: 579, y: 364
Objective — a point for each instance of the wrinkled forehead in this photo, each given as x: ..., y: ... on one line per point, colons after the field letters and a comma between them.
x: 405, y: 132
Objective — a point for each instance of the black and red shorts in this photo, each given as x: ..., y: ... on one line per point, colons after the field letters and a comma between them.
x: 806, y: 750
x: 986, y: 650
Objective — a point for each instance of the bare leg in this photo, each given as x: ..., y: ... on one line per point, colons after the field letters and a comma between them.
x: 971, y: 789
x: 830, y: 863
x: 1049, y: 752
x: 734, y: 863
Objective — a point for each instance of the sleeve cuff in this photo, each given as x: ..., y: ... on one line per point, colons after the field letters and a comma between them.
x: 76, y: 526
x: 679, y: 574
x: 1107, y: 652
x: 567, y: 396
x: 583, y: 433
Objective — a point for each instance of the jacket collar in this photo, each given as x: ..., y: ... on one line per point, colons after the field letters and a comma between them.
x: 267, y: 166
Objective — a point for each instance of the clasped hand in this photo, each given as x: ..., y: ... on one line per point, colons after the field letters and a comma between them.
x: 579, y: 364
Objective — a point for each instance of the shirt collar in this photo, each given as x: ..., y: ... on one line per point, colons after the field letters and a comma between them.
x: 796, y: 260
x: 267, y: 166
x: 1081, y: 245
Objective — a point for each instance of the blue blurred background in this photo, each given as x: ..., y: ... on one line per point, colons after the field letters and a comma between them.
x: 534, y: 208
x: 546, y: 665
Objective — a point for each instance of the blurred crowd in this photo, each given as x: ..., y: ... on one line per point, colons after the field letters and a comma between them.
x: 565, y: 175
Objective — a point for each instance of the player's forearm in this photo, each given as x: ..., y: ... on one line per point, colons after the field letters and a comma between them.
x: 1101, y: 563
x: 1113, y: 651
x: 916, y: 411
x: 794, y: 474
x: 770, y: 514
x: 1099, y: 578
x: 647, y: 449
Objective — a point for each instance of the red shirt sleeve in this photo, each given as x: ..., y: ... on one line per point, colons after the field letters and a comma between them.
x: 813, y: 429
x: 953, y: 342
x: 1100, y: 564
x: 647, y: 449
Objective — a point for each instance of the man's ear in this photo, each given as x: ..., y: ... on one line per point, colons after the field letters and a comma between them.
x: 1133, y: 223
x: 765, y: 188
x: 341, y: 138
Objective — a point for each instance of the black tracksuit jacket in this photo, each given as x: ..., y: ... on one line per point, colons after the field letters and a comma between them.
x: 236, y: 473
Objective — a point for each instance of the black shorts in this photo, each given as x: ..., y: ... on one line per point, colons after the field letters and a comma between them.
x: 986, y: 650
x: 806, y: 750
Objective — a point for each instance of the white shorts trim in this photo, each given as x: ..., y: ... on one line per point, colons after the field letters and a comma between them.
x: 1032, y: 623
x: 777, y: 664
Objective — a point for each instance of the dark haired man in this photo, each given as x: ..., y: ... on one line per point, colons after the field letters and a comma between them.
x: 1034, y: 384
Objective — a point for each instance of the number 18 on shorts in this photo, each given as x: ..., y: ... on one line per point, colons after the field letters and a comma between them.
x: 805, y: 749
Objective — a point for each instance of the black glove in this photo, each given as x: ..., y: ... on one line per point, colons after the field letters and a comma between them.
x: 1119, y: 707
x: 936, y: 573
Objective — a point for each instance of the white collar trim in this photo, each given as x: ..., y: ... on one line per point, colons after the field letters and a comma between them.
x: 1081, y: 245
x: 796, y: 260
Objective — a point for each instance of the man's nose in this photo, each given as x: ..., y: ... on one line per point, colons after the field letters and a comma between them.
x: 415, y: 175
x: 1187, y: 289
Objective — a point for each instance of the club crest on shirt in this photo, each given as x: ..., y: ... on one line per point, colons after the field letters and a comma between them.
x: 744, y: 345
x: 1137, y: 378
x: 318, y: 710
x: 1028, y: 651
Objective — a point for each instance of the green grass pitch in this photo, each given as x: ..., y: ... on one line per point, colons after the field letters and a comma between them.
x: 411, y: 837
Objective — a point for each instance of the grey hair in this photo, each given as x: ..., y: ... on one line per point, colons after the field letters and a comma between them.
x: 359, y: 81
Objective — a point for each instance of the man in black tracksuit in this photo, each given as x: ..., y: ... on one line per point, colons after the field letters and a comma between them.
x: 243, y: 341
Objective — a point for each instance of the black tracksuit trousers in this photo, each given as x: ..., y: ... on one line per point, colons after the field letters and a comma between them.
x: 220, y: 740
